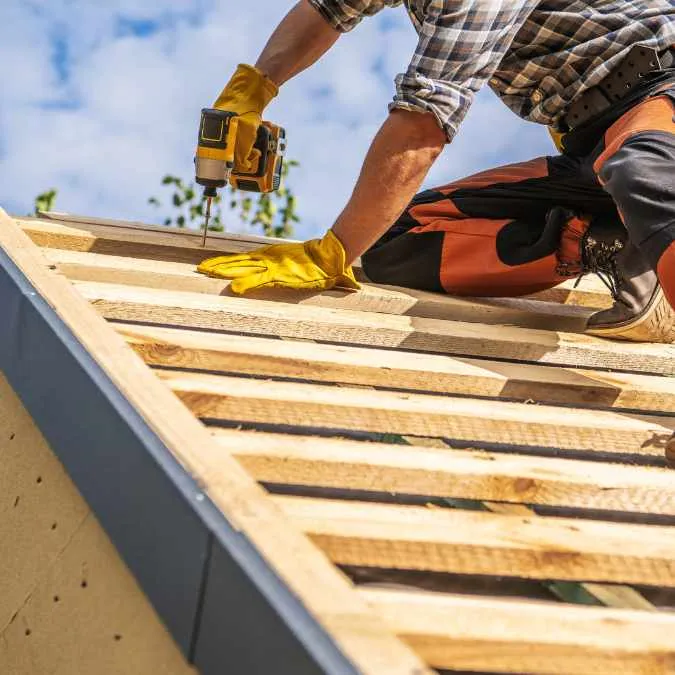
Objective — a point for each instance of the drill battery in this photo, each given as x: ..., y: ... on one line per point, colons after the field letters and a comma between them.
x: 266, y: 176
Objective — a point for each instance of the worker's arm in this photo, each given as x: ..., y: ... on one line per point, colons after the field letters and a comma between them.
x: 300, y: 40
x: 460, y: 46
x: 396, y: 164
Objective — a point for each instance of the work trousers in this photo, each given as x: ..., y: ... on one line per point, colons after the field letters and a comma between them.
x: 520, y: 228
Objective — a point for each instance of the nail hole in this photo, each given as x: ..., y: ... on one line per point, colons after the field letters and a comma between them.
x: 53, y: 526
x: 117, y: 637
x: 39, y: 479
x: 84, y: 583
x: 56, y: 598
x: 12, y: 437
x: 28, y: 631
x: 16, y: 502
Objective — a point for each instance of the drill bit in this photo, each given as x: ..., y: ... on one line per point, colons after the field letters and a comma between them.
x: 206, y: 221
x: 209, y: 194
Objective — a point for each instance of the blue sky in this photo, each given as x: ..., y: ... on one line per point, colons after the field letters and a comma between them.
x: 101, y: 99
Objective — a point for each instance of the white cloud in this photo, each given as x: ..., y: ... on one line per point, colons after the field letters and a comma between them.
x: 102, y: 113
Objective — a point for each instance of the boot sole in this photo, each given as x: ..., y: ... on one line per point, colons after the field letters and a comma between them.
x: 655, y: 324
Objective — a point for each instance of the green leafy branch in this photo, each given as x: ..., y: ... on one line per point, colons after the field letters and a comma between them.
x: 274, y: 212
x: 45, y: 201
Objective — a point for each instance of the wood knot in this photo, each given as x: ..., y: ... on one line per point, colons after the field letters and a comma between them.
x: 670, y: 451
x: 524, y: 484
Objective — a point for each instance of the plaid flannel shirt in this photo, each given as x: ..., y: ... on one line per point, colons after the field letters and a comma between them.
x: 536, y: 55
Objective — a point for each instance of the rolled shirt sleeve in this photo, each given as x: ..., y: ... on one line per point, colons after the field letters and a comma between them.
x: 461, y: 44
x: 344, y: 15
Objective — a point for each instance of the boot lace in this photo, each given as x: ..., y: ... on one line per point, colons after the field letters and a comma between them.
x: 599, y: 257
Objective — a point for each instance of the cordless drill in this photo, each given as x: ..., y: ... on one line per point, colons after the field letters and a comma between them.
x: 214, y: 159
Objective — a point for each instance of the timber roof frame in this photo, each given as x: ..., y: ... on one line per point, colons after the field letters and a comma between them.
x: 217, y: 569
x: 210, y: 541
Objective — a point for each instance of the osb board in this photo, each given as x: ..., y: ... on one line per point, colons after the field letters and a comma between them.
x: 68, y: 604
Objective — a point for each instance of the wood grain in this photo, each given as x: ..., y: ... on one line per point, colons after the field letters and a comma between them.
x: 259, y: 317
x: 470, y: 542
x: 351, y: 365
x: 300, y: 405
x: 325, y: 593
x: 175, y: 276
x: 509, y: 636
x: 443, y: 472
x: 590, y: 292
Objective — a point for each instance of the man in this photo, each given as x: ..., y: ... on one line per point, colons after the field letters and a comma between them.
x: 599, y: 73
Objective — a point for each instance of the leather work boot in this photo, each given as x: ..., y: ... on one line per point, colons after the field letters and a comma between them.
x: 640, y: 312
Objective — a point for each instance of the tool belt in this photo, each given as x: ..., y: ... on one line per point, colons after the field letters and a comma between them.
x: 638, y: 63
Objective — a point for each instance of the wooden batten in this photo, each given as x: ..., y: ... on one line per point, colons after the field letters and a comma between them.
x: 249, y: 355
x: 260, y: 317
x: 464, y: 542
x: 429, y: 472
x: 70, y: 233
x: 270, y: 403
x: 298, y: 405
x: 324, y: 593
x: 176, y: 276
x: 506, y: 636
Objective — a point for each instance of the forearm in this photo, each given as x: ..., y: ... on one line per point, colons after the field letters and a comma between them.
x: 300, y: 39
x: 396, y: 164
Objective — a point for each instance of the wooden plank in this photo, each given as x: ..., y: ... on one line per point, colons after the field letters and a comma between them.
x: 590, y: 292
x: 173, y: 276
x: 471, y: 542
x: 432, y: 472
x: 325, y: 593
x: 386, y: 369
x: 611, y: 595
x: 509, y: 636
x: 260, y: 317
x: 471, y: 420
x: 70, y: 219
x: 619, y: 596
x: 151, y: 243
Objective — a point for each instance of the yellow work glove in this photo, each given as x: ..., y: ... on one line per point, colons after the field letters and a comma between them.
x: 248, y: 93
x: 318, y: 264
